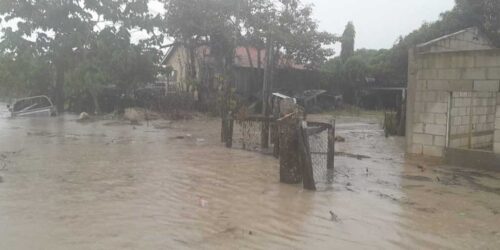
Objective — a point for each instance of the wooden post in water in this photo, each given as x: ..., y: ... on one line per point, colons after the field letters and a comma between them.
x: 290, y: 163
x: 275, y: 138
x: 229, y: 130
x: 331, y: 147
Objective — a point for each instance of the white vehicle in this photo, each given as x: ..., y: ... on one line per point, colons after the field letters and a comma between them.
x: 37, y: 106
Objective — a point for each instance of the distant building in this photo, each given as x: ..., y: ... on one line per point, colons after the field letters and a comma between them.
x: 177, y: 59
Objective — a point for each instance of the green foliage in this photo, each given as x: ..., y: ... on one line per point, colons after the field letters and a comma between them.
x: 284, y: 26
x: 348, y: 40
x: 23, y: 74
x: 224, y: 24
x: 296, y: 33
x: 391, y: 66
x: 484, y: 14
x: 79, y: 44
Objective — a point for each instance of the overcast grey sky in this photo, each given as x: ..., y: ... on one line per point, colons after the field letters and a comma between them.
x: 378, y: 22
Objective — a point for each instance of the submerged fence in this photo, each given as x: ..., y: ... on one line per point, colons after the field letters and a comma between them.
x: 306, y: 149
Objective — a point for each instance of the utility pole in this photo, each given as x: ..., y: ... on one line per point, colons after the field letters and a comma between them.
x: 266, y: 92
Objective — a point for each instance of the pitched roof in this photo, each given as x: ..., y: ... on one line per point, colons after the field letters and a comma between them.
x: 241, y: 57
x: 463, y: 40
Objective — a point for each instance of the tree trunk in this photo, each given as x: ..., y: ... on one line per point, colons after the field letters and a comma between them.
x: 192, y: 61
x: 59, y: 88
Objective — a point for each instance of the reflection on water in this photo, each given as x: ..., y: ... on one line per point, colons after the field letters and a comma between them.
x: 102, y: 185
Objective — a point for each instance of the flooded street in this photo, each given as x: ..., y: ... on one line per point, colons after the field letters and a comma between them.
x: 172, y: 185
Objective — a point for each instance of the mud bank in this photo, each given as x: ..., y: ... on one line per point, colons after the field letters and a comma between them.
x: 105, y: 186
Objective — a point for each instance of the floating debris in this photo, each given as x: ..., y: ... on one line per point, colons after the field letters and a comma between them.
x: 203, y: 203
x: 84, y: 117
x: 356, y: 156
x: 334, y: 217
x: 417, y: 178
x: 163, y: 125
x: 339, y: 138
x: 422, y: 168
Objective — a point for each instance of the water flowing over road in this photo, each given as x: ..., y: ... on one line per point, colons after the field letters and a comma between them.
x: 171, y: 185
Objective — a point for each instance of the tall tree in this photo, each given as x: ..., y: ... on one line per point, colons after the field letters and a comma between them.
x: 484, y: 14
x: 224, y: 24
x: 62, y: 31
x: 111, y: 60
x: 348, y: 40
x: 391, y: 66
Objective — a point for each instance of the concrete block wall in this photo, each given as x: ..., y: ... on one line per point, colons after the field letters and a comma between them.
x: 483, y: 120
x: 460, y: 120
x: 444, y: 89
x: 472, y: 120
x: 430, y: 121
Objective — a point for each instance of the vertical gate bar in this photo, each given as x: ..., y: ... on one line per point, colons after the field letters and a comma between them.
x: 264, y: 141
x: 331, y: 147
x: 229, y: 130
x: 306, y: 162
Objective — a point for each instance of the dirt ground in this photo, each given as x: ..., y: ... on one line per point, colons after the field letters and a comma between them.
x: 172, y: 185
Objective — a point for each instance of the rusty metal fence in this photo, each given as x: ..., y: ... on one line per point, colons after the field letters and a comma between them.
x: 317, y: 147
x: 321, y: 142
x: 247, y: 132
x: 306, y: 150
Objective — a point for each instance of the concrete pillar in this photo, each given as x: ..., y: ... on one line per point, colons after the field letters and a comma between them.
x: 410, y: 98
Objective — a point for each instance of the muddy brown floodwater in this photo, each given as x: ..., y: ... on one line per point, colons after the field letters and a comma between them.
x: 108, y: 185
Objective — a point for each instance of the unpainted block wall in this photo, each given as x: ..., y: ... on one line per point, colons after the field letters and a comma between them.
x: 473, y: 77
x: 472, y: 120
x: 483, y: 120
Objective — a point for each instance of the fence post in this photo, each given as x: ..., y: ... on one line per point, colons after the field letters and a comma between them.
x: 264, y: 141
x: 331, y: 147
x: 275, y: 138
x: 229, y: 130
x: 223, y: 129
x: 305, y: 157
x: 290, y: 169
